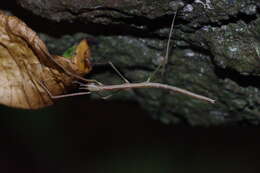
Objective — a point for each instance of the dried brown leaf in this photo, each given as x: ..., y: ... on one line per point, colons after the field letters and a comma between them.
x: 25, y: 62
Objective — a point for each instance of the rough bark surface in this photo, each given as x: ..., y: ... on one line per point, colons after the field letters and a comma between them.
x: 215, y: 51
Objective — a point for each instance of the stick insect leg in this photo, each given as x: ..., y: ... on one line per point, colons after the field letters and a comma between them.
x: 166, y: 57
x: 118, y: 72
x: 120, y: 75
x: 43, y: 85
x: 83, y: 86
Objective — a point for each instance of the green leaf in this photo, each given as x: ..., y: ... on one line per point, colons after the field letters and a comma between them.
x: 70, y: 52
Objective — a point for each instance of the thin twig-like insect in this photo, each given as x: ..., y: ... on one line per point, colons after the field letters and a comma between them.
x: 93, y: 86
x: 31, y: 77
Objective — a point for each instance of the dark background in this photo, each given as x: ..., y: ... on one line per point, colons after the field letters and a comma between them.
x: 76, y: 135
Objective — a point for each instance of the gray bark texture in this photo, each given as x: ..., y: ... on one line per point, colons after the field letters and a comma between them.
x: 214, y: 52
